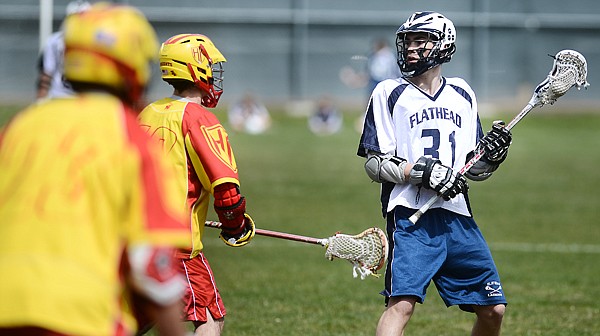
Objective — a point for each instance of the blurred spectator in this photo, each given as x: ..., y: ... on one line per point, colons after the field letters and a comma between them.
x: 326, y: 119
x: 367, y: 71
x: 249, y: 115
x: 51, y: 81
x: 381, y: 64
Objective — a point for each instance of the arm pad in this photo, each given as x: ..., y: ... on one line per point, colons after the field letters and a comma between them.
x: 153, y: 273
x: 230, y: 207
x: 385, y: 168
x: 481, y: 170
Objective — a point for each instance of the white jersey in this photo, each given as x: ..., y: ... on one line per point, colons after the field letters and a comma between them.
x: 406, y: 122
x: 52, y: 65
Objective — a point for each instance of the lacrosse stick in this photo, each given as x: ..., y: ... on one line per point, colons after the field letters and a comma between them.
x: 367, y: 251
x: 569, y: 69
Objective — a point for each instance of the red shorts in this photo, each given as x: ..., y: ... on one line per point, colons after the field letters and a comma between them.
x: 201, y: 293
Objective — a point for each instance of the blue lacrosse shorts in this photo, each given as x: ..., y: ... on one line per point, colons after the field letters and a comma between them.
x: 443, y: 247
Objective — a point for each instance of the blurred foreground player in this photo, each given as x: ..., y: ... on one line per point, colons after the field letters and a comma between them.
x: 197, y: 143
x: 87, y: 214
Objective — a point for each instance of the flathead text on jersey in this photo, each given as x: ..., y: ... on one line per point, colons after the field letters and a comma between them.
x: 432, y: 113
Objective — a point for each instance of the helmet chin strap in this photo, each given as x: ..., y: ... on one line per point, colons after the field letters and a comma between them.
x: 429, y: 64
x: 208, y: 101
x: 424, y: 63
x: 418, y: 68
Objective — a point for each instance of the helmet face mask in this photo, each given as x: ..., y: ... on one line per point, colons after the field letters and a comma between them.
x: 194, y: 58
x: 430, y: 37
x: 215, y: 85
x: 218, y: 76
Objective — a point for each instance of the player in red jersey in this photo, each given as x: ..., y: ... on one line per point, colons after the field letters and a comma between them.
x: 88, y: 220
x: 196, y: 141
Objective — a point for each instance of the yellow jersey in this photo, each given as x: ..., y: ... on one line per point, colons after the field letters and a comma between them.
x: 79, y: 182
x: 198, y: 145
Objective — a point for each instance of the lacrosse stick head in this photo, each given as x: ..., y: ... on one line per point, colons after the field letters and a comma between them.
x: 367, y: 251
x: 569, y: 69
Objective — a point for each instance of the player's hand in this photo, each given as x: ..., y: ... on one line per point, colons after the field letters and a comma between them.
x: 496, y: 142
x: 457, y: 185
x: 432, y: 174
x: 240, y: 238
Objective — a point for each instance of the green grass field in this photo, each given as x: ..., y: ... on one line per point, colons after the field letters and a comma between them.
x: 539, y: 213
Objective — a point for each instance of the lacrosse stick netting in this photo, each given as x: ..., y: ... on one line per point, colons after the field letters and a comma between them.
x: 569, y: 69
x: 367, y: 251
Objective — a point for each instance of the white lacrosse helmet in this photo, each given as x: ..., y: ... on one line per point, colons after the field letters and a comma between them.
x: 76, y: 7
x: 441, y: 32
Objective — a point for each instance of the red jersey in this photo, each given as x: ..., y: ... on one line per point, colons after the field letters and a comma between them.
x: 198, y: 145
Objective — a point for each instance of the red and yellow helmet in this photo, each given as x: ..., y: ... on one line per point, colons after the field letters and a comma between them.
x: 110, y: 45
x: 194, y: 57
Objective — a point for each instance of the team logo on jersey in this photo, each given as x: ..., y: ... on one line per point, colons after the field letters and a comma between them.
x: 166, y: 137
x: 494, y: 288
x: 218, y: 142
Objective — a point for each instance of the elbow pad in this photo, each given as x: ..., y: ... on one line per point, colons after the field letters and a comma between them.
x: 154, y: 274
x: 481, y: 170
x: 230, y: 207
x: 385, y: 168
x: 477, y: 178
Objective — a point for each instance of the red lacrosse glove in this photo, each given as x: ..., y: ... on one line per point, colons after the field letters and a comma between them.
x: 237, y: 226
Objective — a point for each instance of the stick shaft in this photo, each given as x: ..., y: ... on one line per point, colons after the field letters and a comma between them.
x: 519, y: 116
x: 478, y: 155
x: 275, y: 234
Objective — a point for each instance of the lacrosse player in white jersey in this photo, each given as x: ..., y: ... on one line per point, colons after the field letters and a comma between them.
x: 419, y: 130
x: 51, y: 81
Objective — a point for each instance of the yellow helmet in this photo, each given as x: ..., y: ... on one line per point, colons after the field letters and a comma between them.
x: 113, y: 46
x: 194, y: 57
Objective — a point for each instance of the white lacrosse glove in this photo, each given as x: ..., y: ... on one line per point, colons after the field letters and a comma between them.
x: 432, y: 174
